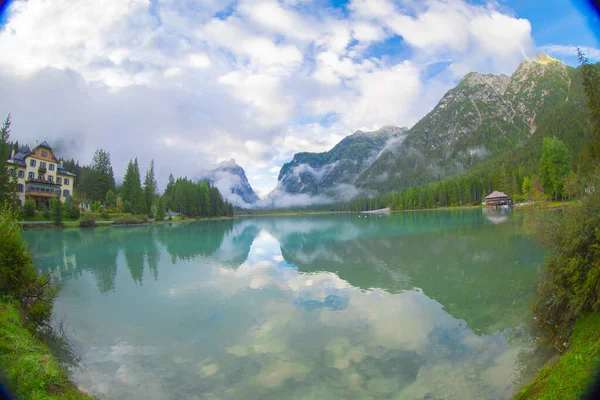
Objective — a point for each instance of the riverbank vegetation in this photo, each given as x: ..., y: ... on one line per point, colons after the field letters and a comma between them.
x: 572, y: 374
x: 27, y: 364
x: 26, y: 301
x: 568, y: 307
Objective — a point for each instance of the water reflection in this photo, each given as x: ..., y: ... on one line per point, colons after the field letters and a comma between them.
x: 412, y: 306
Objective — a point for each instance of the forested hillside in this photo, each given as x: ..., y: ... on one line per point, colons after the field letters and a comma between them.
x: 483, y: 117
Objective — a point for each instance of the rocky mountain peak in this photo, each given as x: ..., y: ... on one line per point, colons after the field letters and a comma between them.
x: 497, y: 82
x: 543, y: 58
x: 384, y: 131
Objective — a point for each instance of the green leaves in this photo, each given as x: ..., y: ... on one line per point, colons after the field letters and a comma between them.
x: 555, y: 166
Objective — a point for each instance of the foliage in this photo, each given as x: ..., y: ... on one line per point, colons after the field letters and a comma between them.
x: 57, y: 211
x: 574, y: 371
x: 29, y: 208
x: 88, y: 220
x: 7, y: 181
x: 131, y: 190
x: 168, y: 191
x: 27, y: 363
x: 160, y: 210
x: 149, y: 187
x: 71, y: 209
x: 130, y: 219
x: 554, y: 166
x: 19, y: 279
x: 198, y: 199
x: 103, y: 176
x: 571, y: 285
x: 95, y: 180
x: 111, y: 199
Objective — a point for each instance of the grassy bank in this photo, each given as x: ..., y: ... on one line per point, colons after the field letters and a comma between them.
x: 29, y: 369
x: 571, y: 375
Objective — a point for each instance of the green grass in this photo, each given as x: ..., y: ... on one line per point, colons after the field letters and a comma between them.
x: 29, y: 368
x: 574, y: 371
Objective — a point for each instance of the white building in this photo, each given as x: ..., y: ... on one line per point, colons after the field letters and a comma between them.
x: 40, y: 176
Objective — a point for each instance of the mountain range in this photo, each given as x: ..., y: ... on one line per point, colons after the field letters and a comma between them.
x: 485, y: 115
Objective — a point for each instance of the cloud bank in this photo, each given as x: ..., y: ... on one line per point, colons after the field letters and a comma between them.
x: 192, y: 85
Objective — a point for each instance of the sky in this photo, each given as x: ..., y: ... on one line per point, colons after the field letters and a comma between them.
x: 191, y: 83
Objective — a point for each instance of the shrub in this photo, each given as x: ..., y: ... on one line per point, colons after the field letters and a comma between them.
x: 87, y: 220
x: 57, y: 211
x: 71, y: 209
x: 571, y: 285
x: 95, y: 207
x: 29, y: 208
x: 104, y: 215
x: 46, y: 214
x: 19, y: 279
x: 130, y: 219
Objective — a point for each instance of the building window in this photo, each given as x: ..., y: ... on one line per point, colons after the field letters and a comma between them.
x: 41, y: 177
x: 66, y: 181
x: 51, y: 167
x: 59, y: 180
x: 11, y: 171
x: 20, y: 187
x: 31, y: 175
x: 50, y: 178
x: 32, y: 163
x: 44, y: 153
x: 21, y: 173
x: 66, y: 192
x: 42, y: 164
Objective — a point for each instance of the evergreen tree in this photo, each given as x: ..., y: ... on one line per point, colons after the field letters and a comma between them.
x: 149, y: 187
x: 102, y: 175
x: 7, y: 181
x: 169, y: 191
x: 132, y: 194
x: 555, y: 165
x: 160, y: 210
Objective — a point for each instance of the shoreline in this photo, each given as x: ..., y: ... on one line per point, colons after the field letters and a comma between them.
x: 31, y: 225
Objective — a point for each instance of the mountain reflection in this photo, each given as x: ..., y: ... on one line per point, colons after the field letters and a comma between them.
x: 479, y: 272
x: 414, y: 305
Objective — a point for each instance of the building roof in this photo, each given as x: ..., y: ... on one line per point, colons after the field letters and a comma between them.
x: 18, y: 159
x: 496, y: 195
x: 61, y: 170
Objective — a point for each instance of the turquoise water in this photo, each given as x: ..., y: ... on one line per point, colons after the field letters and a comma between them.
x: 427, y: 305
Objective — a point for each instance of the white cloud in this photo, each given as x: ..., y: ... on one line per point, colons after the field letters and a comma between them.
x: 562, y: 51
x: 257, y: 82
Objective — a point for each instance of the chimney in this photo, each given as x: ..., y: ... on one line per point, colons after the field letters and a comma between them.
x: 12, y: 153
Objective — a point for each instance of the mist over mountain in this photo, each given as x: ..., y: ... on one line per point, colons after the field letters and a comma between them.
x: 232, y: 182
x: 484, y: 115
x: 334, y: 172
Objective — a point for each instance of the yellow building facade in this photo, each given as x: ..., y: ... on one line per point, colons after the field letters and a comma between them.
x: 40, y: 176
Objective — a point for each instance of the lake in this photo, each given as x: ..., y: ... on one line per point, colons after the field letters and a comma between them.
x: 419, y: 305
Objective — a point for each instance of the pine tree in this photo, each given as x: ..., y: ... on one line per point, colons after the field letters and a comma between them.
x: 131, y: 189
x: 7, y: 181
x: 149, y: 187
x: 169, y: 192
x: 103, y: 176
x: 160, y: 210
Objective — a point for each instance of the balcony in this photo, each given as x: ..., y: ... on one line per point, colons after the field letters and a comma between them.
x: 42, y: 170
x: 42, y: 189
